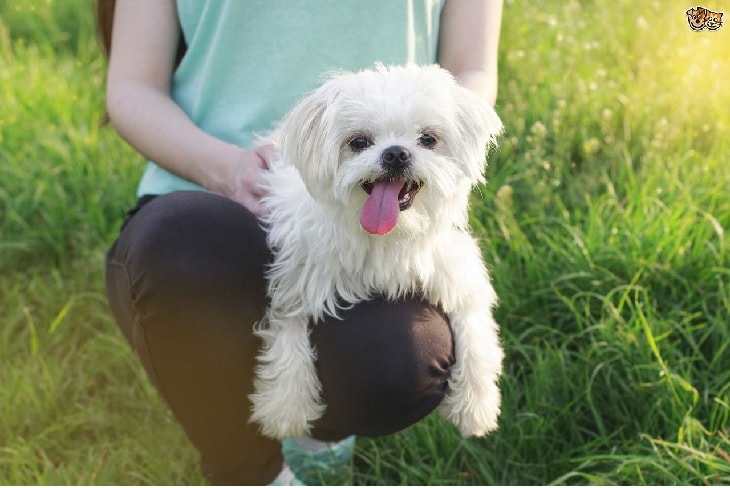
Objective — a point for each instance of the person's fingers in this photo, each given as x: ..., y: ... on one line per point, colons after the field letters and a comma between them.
x: 267, y: 153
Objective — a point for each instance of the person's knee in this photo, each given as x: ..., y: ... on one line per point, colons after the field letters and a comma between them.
x: 383, y: 367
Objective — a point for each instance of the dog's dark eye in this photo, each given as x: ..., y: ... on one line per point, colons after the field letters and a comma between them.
x: 359, y: 143
x: 427, y: 140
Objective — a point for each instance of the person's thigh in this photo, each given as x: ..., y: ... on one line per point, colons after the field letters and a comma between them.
x: 185, y: 283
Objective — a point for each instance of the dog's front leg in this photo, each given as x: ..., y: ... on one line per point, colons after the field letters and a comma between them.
x: 287, y: 391
x: 473, y: 400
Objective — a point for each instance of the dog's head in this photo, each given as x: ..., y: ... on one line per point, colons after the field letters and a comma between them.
x: 696, y: 18
x: 400, y: 146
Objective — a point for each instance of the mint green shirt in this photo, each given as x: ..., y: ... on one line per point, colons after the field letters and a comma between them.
x: 249, y: 61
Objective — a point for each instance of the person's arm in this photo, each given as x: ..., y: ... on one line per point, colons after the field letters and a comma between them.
x: 144, y: 42
x: 469, y: 42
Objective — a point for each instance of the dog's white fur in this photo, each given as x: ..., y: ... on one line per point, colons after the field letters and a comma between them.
x: 324, y: 259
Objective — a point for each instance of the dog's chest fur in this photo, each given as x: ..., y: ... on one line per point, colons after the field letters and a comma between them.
x: 324, y: 260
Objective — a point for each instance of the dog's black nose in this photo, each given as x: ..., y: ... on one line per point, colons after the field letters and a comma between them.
x: 395, y: 157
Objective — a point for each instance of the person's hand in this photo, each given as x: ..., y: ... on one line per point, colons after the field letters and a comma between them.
x: 248, y: 178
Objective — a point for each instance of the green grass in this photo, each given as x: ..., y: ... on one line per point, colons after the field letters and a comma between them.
x: 603, y: 223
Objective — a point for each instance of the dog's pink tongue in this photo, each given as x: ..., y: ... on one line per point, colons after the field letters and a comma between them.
x: 380, y: 212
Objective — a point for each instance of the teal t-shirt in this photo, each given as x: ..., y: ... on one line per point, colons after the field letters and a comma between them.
x: 249, y: 61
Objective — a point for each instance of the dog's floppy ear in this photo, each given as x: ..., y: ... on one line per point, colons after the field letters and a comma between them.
x: 307, y: 139
x: 478, y: 126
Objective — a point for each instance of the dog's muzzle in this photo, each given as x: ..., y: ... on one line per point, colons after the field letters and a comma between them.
x: 390, y: 193
x: 397, y: 163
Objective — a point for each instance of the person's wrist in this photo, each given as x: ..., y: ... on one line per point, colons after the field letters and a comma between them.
x: 220, y: 175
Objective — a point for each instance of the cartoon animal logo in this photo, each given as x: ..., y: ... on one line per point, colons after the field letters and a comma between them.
x: 713, y: 20
x: 700, y: 17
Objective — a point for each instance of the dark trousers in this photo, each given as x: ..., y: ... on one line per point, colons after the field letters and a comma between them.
x: 185, y: 281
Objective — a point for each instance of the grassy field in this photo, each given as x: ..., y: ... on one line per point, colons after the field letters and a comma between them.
x: 603, y: 222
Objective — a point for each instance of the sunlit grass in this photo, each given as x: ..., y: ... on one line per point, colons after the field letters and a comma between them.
x: 604, y: 224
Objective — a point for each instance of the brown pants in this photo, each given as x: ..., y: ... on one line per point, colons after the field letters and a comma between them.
x: 185, y: 284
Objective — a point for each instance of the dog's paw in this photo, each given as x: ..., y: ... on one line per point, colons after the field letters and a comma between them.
x: 282, y: 413
x: 473, y: 412
x: 286, y: 398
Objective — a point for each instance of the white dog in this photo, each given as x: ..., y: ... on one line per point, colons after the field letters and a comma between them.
x: 370, y: 196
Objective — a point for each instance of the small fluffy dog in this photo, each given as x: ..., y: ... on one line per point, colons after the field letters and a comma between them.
x: 370, y: 196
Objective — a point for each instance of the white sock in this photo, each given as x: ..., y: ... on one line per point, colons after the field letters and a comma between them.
x: 285, y: 477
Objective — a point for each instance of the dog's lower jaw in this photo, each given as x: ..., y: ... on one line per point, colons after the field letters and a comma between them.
x: 287, y: 390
